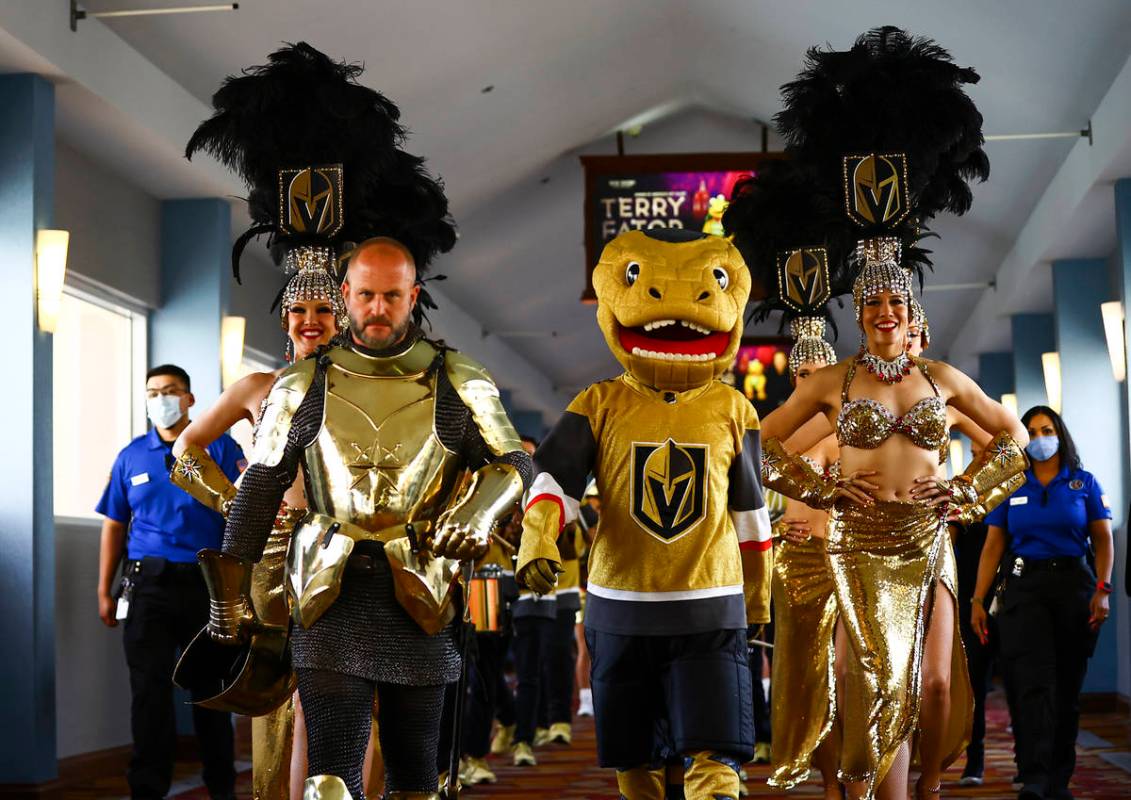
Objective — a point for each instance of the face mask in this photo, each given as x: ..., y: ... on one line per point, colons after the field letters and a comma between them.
x: 164, y: 410
x: 1043, y: 448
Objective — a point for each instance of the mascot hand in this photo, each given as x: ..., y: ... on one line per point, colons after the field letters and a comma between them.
x: 539, y: 576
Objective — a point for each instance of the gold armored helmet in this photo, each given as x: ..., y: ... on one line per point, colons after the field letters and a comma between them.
x: 670, y: 305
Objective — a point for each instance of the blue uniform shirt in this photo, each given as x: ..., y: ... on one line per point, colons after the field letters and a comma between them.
x: 1052, y: 521
x: 164, y: 521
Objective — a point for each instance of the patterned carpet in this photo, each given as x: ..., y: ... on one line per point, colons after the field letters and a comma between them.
x: 571, y: 772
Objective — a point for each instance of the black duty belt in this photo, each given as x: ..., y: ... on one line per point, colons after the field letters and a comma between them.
x: 1053, y: 564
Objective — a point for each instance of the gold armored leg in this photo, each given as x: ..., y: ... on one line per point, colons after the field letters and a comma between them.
x: 710, y: 776
x: 325, y: 787
x: 272, y: 736
x: 641, y: 783
x: 412, y: 796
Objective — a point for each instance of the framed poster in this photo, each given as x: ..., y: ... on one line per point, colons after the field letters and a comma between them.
x: 681, y: 190
x: 761, y: 371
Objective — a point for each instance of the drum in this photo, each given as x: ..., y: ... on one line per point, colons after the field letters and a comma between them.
x: 484, y: 601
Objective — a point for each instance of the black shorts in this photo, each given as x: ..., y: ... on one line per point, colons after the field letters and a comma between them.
x: 659, y: 696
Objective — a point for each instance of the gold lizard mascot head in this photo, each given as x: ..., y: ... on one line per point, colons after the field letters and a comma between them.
x: 670, y: 303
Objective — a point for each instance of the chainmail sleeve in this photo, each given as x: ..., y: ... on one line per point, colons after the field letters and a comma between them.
x: 458, y: 432
x: 262, y: 488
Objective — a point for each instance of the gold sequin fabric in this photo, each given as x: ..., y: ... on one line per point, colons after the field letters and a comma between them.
x: 803, y: 679
x: 885, y: 561
x: 272, y: 735
x: 867, y: 423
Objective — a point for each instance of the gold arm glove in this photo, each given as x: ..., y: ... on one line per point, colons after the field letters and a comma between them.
x: 996, y: 465
x: 788, y: 474
x: 464, y: 530
x: 197, y: 474
x: 539, y: 561
x: 973, y: 512
x: 231, y: 616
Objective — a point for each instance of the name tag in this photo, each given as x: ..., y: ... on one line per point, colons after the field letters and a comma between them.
x: 138, y: 480
x: 1019, y: 501
x: 1103, y: 499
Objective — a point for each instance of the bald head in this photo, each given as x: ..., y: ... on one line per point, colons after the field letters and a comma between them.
x: 380, y: 292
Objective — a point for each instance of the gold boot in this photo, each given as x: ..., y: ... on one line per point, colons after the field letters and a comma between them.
x: 641, y: 783
x: 325, y: 787
x: 711, y: 775
x: 560, y: 733
x: 524, y: 755
x: 503, y: 740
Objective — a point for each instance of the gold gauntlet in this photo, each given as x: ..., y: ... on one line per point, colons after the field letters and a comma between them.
x: 788, y: 474
x: 231, y: 616
x: 983, y: 485
x: 976, y: 511
x: 539, y: 561
x: 196, y: 473
x: 464, y: 530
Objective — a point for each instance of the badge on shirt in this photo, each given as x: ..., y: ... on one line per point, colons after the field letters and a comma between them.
x: 1018, y: 501
x: 1103, y: 499
x: 1076, y: 485
x: 139, y: 479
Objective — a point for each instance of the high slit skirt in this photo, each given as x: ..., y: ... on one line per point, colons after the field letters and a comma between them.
x: 803, y: 681
x: 886, y: 560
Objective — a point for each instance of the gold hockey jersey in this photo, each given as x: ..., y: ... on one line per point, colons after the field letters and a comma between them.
x: 684, y: 540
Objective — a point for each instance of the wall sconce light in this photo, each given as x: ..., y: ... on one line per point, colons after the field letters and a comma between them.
x: 50, y: 271
x: 1113, y: 331
x: 1010, y: 402
x: 957, y: 455
x: 232, y: 331
x: 1050, y: 362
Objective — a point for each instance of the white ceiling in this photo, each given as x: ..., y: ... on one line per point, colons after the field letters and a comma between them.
x: 567, y: 73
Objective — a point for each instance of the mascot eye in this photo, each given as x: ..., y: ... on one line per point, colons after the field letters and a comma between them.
x: 721, y: 276
x: 632, y: 272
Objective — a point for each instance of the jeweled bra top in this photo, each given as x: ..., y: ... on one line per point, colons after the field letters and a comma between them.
x: 867, y: 423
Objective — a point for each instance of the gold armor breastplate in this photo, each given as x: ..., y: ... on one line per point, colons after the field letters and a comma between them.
x: 377, y: 461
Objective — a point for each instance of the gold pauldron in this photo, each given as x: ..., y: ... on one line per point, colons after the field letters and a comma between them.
x: 1001, y: 460
x: 478, y: 392
x: 197, y: 474
x: 493, y: 493
x: 789, y: 474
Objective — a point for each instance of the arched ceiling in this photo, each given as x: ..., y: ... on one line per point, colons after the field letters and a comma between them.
x: 566, y: 74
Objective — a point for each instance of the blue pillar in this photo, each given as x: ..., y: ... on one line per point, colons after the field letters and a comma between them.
x: 27, y: 521
x: 995, y: 374
x: 196, y: 247
x: 1090, y: 405
x: 1122, y: 282
x: 1032, y: 336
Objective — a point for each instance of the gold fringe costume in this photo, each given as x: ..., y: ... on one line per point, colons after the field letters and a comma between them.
x: 803, y: 677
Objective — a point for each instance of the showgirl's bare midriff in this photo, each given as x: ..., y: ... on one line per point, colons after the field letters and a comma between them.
x: 897, y: 463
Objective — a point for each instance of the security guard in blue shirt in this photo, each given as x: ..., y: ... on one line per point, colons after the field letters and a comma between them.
x: 1052, y: 605
x: 161, y: 596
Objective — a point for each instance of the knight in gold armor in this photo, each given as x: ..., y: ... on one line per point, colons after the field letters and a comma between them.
x: 408, y: 457
x: 889, y: 132
x: 680, y: 563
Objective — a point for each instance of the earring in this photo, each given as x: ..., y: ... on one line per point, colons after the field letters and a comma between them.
x: 289, y: 352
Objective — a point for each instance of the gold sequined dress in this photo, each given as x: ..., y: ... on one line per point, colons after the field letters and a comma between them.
x: 885, y: 561
x: 802, y: 674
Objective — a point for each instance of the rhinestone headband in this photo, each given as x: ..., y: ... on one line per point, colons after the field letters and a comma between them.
x: 809, y: 346
x: 312, y: 280
x: 880, y: 271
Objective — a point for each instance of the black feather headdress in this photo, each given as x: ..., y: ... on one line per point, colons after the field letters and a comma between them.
x: 303, y: 109
x: 890, y: 93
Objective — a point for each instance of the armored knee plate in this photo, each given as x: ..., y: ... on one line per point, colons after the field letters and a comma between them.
x: 325, y: 787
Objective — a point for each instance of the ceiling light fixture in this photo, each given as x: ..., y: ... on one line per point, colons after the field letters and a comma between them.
x: 1050, y: 363
x: 1009, y: 400
x: 78, y: 13
x: 1113, y: 331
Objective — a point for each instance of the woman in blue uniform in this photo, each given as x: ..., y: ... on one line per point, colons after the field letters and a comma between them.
x: 1052, y: 604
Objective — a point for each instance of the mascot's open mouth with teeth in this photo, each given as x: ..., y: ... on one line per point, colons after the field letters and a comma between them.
x: 670, y: 305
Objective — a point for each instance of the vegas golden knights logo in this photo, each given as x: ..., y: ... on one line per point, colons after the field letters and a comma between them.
x: 803, y: 278
x: 310, y: 200
x: 875, y: 188
x: 669, y: 484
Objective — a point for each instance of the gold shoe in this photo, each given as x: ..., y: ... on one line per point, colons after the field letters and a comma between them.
x: 762, y: 753
x: 560, y: 733
x: 541, y: 737
x: 503, y: 740
x: 524, y: 755
x: 325, y: 787
x: 475, y: 771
